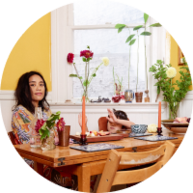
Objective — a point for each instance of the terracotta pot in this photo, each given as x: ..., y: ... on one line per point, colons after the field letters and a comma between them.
x: 64, y: 136
x: 138, y: 97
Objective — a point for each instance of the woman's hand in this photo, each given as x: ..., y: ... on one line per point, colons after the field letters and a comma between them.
x: 80, y: 119
x: 112, y: 118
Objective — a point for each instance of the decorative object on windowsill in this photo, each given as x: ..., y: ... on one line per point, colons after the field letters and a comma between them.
x: 172, y: 95
x: 116, y: 98
x: 131, y: 41
x: 138, y: 97
x: 46, y: 130
x: 86, y: 55
x: 147, y: 98
x: 129, y: 96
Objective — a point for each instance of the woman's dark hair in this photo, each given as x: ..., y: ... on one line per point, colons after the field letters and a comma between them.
x: 121, y: 115
x: 23, y: 94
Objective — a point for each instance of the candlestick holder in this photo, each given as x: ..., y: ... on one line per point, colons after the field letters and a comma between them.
x: 159, y: 131
x: 83, y: 140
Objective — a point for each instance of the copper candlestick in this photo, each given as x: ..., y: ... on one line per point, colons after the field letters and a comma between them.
x: 159, y: 131
x: 83, y: 140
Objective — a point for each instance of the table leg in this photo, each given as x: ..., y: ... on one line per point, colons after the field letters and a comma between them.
x: 83, y: 174
x: 38, y: 167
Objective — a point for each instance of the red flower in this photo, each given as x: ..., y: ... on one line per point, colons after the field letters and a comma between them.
x: 86, y: 54
x: 60, y: 125
x: 39, y: 124
x: 70, y: 58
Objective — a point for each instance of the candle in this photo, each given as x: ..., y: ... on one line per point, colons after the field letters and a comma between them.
x: 159, y: 115
x: 83, y: 115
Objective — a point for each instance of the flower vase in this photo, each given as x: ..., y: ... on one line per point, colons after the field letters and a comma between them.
x: 147, y: 99
x: 35, y: 137
x: 48, y: 143
x: 173, y: 109
x: 85, y: 93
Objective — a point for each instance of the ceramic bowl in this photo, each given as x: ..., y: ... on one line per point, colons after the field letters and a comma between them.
x: 139, y: 128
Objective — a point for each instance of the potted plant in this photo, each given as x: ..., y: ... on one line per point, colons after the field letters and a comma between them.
x: 172, y: 95
x: 131, y: 41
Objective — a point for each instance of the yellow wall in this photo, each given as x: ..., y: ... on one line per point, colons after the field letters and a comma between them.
x: 31, y: 52
x: 174, y: 58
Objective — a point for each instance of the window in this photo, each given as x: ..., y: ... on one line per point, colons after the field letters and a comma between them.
x: 96, y: 29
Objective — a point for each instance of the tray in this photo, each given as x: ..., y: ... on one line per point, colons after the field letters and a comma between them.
x: 111, y: 137
x: 96, y: 147
x: 156, y: 138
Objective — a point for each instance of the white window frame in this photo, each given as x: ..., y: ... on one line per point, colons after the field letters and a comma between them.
x: 62, y: 28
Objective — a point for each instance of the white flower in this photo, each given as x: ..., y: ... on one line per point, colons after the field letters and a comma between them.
x: 105, y: 61
x: 171, y: 72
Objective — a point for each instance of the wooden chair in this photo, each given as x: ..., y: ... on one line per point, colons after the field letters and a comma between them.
x: 111, y: 176
x: 102, y: 123
x: 10, y: 138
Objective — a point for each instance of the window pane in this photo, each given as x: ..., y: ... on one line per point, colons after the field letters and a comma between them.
x: 108, y: 43
x: 102, y: 12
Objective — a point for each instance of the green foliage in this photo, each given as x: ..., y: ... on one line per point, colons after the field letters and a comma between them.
x: 73, y: 75
x: 44, y: 131
x: 86, y: 82
x: 117, y: 26
x: 130, y: 38
x: 171, y: 95
x: 137, y: 27
x: 155, y: 25
x: 145, y: 16
x: 132, y: 42
x: 145, y: 33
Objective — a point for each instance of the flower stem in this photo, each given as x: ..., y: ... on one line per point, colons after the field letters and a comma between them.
x: 137, y: 59
x: 114, y: 80
x: 78, y: 76
x: 146, y: 73
x: 129, y: 63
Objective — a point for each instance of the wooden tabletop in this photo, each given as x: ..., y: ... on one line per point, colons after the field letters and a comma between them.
x: 61, y: 156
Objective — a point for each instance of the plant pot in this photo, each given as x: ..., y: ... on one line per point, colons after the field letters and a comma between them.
x: 64, y: 136
x: 138, y: 97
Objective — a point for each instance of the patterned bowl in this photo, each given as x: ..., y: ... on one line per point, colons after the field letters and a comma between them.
x: 139, y: 128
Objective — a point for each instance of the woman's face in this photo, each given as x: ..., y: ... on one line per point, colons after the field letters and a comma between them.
x: 113, y: 127
x: 37, y: 88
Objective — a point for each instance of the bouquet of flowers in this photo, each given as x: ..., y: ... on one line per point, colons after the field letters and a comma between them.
x: 43, y: 127
x: 164, y: 76
x: 86, y: 55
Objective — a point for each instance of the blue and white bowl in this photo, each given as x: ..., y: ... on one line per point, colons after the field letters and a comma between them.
x: 139, y: 128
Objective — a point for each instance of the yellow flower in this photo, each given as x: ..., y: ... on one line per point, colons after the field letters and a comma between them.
x: 105, y: 61
x: 171, y: 72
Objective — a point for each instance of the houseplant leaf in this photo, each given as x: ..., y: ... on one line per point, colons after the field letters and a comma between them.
x: 73, y: 75
x: 145, y: 16
x: 145, y: 33
x: 137, y: 27
x: 130, y: 38
x: 120, y: 29
x: 117, y: 26
x: 132, y: 42
x: 155, y: 25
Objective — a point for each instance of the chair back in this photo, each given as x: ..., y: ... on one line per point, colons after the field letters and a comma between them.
x: 102, y: 123
x: 10, y: 138
x: 111, y: 176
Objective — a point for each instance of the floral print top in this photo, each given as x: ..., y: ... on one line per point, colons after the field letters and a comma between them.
x: 21, y: 120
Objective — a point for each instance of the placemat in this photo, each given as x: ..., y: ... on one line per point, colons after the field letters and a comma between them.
x: 139, y: 134
x: 156, y: 138
x: 96, y: 147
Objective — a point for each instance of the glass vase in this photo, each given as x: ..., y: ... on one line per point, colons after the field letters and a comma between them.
x: 173, y: 110
x: 48, y: 143
x: 35, y: 138
x: 85, y: 93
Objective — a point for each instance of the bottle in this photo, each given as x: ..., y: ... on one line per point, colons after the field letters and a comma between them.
x: 35, y: 137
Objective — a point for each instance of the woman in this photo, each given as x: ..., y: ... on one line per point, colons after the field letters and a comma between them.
x: 31, y: 92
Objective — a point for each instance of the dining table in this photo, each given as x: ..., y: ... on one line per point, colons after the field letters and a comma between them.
x: 87, y: 164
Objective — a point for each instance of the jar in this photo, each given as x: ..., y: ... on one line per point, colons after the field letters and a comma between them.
x: 35, y: 137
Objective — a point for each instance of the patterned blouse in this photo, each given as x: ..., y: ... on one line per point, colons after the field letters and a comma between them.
x: 21, y: 120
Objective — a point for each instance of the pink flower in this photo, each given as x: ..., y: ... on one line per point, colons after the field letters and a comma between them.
x: 70, y: 58
x: 39, y: 124
x: 60, y: 125
x: 86, y: 54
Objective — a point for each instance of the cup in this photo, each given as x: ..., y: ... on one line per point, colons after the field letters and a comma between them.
x: 64, y: 136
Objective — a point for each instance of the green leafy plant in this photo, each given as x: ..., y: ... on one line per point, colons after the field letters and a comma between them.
x: 131, y: 40
x: 44, y: 130
x: 118, y: 87
x: 164, y: 83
